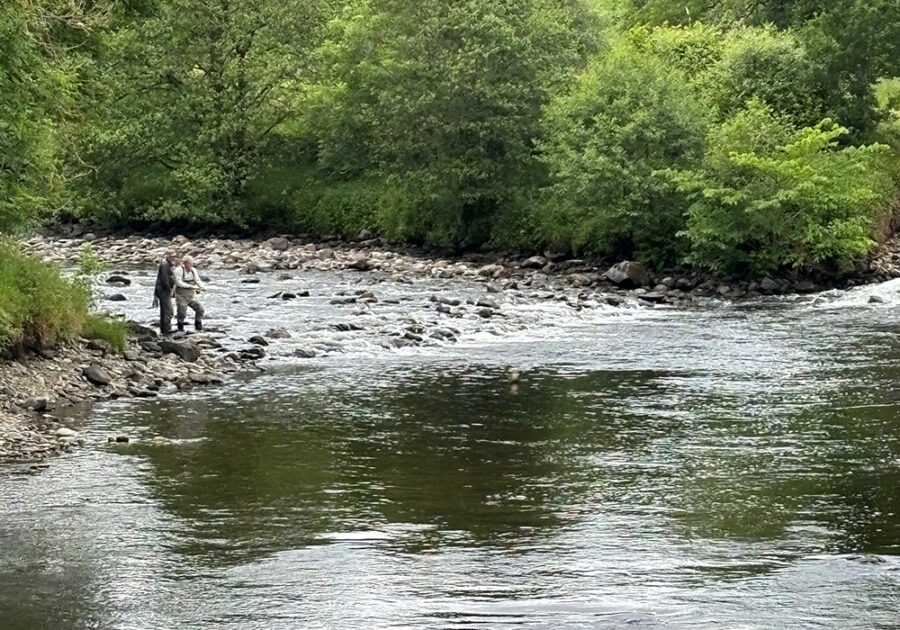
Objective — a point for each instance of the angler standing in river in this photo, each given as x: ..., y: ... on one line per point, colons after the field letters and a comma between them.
x: 187, y: 285
x: 162, y: 293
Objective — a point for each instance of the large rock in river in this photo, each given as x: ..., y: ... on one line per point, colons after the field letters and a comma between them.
x: 186, y: 350
x: 628, y: 274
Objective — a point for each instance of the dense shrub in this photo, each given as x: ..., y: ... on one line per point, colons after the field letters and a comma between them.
x: 38, y: 307
x: 629, y: 115
x: 759, y: 206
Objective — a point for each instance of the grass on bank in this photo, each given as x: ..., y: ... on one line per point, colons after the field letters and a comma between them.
x: 113, y: 331
x: 40, y: 308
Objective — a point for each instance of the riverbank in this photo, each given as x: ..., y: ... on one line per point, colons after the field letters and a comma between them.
x: 38, y: 393
x: 676, y: 286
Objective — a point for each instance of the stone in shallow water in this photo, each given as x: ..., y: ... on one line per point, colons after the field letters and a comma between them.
x: 118, y: 281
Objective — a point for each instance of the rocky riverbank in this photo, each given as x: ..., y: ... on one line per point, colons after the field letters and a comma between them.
x: 677, y: 286
x: 38, y: 392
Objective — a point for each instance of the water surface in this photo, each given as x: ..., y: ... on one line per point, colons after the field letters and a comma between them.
x: 731, y: 467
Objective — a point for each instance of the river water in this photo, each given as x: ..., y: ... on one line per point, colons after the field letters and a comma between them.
x: 735, y: 466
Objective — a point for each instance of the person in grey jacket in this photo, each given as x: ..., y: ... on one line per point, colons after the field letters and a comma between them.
x: 187, y: 285
x: 163, y: 292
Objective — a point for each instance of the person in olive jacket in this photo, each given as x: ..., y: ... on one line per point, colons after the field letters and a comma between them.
x: 165, y: 291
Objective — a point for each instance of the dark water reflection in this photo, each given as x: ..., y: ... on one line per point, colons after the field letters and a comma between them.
x: 737, y: 469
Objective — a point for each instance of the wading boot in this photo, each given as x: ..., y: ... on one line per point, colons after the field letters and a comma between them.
x: 180, y: 326
x: 198, y: 326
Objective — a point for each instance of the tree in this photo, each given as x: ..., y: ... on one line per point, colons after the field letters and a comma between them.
x: 627, y: 116
x: 197, y: 95
x: 442, y: 100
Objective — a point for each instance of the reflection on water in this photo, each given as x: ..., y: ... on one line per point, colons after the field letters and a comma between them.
x: 734, y: 468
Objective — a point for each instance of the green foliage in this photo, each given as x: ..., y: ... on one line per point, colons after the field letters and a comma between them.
x: 29, y: 87
x: 442, y: 100
x: 758, y: 207
x: 38, y: 307
x: 628, y: 116
x: 770, y: 66
x: 195, y: 97
x: 113, y: 331
x: 508, y: 123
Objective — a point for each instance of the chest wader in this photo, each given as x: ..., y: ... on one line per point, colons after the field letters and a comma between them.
x: 185, y: 298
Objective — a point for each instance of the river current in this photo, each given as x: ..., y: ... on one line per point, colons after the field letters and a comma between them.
x: 732, y: 466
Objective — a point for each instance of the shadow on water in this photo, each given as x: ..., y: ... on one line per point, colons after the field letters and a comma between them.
x: 465, y: 457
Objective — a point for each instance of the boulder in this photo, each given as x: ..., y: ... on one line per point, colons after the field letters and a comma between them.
x: 579, y: 280
x: 487, y: 303
x: 304, y: 353
x: 258, y: 340
x: 279, y: 243
x: 252, y: 353
x: 767, y: 285
x: 97, y: 375
x: 535, y: 262
x: 279, y: 332
x: 118, y: 281
x: 99, y: 344
x: 360, y: 263
x: 628, y: 274
x: 141, y: 332
x: 444, y: 300
x: 116, y: 297
x: 492, y: 271
x: 873, y: 299
x: 36, y: 404
x: 806, y: 286
x: 287, y: 295
x: 183, y: 349
x: 655, y: 297
x: 150, y: 346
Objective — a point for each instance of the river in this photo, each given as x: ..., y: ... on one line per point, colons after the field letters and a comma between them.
x: 735, y: 466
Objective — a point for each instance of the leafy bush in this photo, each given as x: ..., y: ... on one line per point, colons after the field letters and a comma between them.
x: 759, y: 207
x: 769, y: 66
x: 38, y: 307
x: 629, y: 115
x: 113, y: 331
